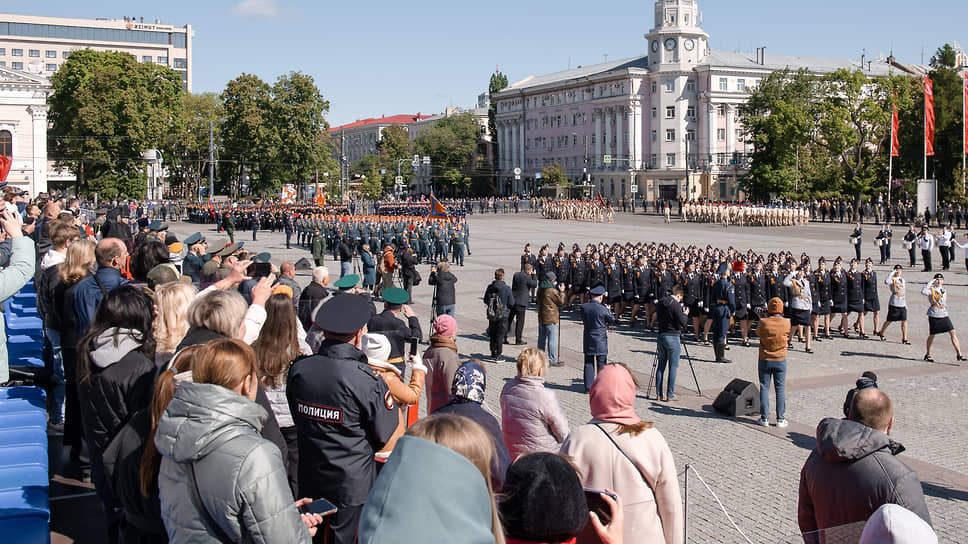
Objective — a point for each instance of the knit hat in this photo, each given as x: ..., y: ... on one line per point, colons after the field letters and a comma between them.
x: 894, y: 524
x: 445, y: 325
x: 543, y: 500
x: 469, y: 383
x: 376, y: 347
x: 612, y: 396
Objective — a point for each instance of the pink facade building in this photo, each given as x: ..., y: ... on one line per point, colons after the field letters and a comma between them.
x: 665, y: 125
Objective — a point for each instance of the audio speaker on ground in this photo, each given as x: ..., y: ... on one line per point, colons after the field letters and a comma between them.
x: 740, y: 397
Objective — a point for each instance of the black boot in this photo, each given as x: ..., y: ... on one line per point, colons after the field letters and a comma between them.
x: 720, y: 353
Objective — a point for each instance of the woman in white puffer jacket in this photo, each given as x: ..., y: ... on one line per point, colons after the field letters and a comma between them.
x: 531, y: 418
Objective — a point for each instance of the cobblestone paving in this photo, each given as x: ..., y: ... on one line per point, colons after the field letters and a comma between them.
x: 753, y: 470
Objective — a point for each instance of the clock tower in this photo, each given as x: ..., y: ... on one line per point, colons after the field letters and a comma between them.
x: 677, y: 41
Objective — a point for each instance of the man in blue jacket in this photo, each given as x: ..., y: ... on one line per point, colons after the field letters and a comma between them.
x: 111, y: 255
x: 596, y: 318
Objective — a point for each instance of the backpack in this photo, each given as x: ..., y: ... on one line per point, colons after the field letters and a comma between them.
x: 495, y: 308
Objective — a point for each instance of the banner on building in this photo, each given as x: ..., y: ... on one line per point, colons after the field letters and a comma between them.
x: 964, y: 108
x: 288, y: 194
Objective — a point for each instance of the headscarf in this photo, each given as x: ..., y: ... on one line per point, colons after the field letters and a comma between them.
x: 469, y: 383
x: 612, y: 396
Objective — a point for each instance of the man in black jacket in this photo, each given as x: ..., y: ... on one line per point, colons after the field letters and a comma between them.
x: 521, y: 285
x: 497, y: 327
x: 853, y: 470
x: 672, y: 319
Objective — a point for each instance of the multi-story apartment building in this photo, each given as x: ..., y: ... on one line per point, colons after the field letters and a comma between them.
x: 353, y: 140
x: 39, y: 45
x: 664, y: 125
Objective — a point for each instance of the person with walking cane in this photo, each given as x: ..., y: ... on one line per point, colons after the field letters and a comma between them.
x: 938, y: 319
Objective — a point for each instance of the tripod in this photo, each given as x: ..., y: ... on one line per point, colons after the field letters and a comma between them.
x: 655, y: 367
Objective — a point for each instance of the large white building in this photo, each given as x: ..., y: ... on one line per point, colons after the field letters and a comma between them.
x: 665, y: 124
x: 23, y: 128
x: 39, y: 45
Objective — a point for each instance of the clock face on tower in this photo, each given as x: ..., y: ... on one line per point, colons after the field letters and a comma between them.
x: 670, y: 44
x: 655, y: 45
x: 689, y: 44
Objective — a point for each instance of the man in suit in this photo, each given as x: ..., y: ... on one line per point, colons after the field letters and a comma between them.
x: 521, y: 285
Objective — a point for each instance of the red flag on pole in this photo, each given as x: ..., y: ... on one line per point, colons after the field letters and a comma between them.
x: 964, y: 107
x: 5, y: 164
x: 895, y: 140
x: 928, y: 118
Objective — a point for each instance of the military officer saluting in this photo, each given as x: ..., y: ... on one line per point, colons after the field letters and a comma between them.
x: 343, y: 414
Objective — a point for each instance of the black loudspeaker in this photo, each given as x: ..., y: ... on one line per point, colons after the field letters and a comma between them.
x: 304, y: 264
x: 740, y: 397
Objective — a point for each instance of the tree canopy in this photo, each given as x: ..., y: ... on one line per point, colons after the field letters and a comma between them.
x: 451, y: 144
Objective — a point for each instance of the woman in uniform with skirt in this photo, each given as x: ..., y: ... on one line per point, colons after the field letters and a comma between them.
x: 838, y: 296
x: 820, y: 290
x: 897, y: 304
x: 872, y: 302
x: 800, y: 303
x: 938, y: 320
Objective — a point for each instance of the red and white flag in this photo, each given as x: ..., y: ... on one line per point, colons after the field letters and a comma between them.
x: 895, y: 140
x: 928, y: 118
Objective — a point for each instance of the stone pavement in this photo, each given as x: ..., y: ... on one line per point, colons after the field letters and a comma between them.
x: 754, y: 470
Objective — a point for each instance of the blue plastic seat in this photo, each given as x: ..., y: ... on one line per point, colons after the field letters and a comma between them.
x: 24, y: 455
x: 26, y: 362
x: 23, y: 435
x: 25, y: 339
x: 19, y: 477
x: 22, y: 392
x: 33, y: 418
x: 25, y: 502
x: 22, y: 405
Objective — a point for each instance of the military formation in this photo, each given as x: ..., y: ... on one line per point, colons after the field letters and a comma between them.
x: 745, y: 215
x: 577, y: 210
x: 637, y: 275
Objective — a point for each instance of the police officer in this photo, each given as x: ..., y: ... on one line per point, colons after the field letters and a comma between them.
x: 910, y: 242
x: 722, y: 305
x: 596, y: 317
x: 193, y: 263
x: 388, y: 323
x: 343, y: 413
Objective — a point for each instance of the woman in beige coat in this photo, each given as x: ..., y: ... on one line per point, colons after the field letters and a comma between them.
x: 618, y: 451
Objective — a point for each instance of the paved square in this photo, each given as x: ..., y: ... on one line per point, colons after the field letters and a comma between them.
x: 753, y: 470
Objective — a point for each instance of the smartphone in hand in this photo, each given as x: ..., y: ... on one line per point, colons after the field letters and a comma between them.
x: 319, y: 506
x: 598, y: 505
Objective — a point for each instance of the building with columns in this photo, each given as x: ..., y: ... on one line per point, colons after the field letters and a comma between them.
x: 665, y: 125
x: 23, y: 128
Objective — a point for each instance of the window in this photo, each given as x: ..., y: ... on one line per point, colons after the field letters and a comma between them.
x: 721, y: 159
x: 739, y: 134
x: 6, y: 143
x: 654, y: 136
x: 722, y: 110
x: 721, y: 134
x: 741, y: 85
x: 670, y: 134
x: 670, y: 85
x: 17, y: 52
x: 145, y: 58
x: 691, y: 86
x: 3, y: 50
x: 655, y: 113
x: 51, y: 67
x: 65, y: 54
x: 652, y: 160
x: 670, y: 112
x: 51, y: 54
x: 17, y: 65
x: 163, y: 60
x: 723, y: 84
x: 670, y: 159
x: 3, y: 64
x: 653, y: 84
x: 34, y: 52
x: 691, y: 135
x: 691, y: 112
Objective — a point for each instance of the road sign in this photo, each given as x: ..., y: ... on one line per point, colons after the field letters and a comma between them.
x: 415, y: 163
x: 416, y: 158
x: 635, y: 189
x: 537, y: 175
x: 398, y: 179
x: 517, y: 171
x: 517, y: 177
x: 426, y: 160
x: 607, y: 159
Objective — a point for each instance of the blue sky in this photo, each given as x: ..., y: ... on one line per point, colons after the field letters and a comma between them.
x: 388, y: 57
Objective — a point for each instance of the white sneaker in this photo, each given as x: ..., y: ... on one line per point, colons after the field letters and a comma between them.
x: 764, y: 422
x: 782, y: 423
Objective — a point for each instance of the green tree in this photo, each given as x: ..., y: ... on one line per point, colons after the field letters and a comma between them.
x: 498, y: 82
x: 298, y: 110
x: 450, y: 143
x: 554, y: 175
x: 105, y: 111
x: 185, y: 150
x: 249, y: 136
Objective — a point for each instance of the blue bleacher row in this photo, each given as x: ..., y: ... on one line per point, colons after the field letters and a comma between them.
x: 24, y: 480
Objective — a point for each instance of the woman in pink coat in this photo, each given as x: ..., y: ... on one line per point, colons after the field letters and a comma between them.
x: 531, y: 418
x: 616, y: 450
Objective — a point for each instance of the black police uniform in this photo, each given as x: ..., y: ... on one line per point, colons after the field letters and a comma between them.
x: 343, y: 414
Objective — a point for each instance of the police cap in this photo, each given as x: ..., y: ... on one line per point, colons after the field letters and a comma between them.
x: 263, y: 257
x: 598, y: 290
x: 343, y: 314
x: 195, y: 238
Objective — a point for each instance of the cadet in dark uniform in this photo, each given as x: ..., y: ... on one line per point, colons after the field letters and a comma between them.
x: 722, y: 306
x: 613, y: 285
x: 855, y: 238
x: 911, y: 243
x: 577, y: 275
x: 692, y: 297
x: 884, y: 236
x: 838, y: 296
x: 741, y: 292
x: 343, y: 414
x: 389, y: 324
x: 872, y: 303
x: 855, y: 297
